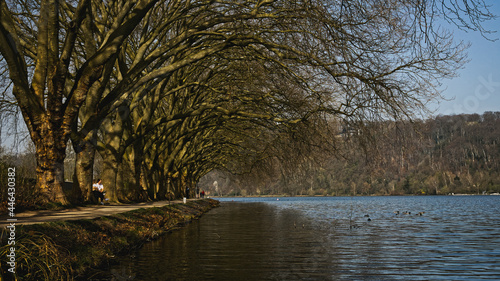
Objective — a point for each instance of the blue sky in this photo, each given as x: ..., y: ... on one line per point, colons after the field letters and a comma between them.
x: 477, y: 88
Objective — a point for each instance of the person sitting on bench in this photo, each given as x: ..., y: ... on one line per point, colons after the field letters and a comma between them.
x: 98, y: 191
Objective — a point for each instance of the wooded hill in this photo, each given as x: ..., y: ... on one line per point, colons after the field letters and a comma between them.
x: 442, y: 155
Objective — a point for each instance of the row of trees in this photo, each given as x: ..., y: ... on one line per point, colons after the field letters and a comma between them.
x: 166, y: 91
x: 441, y: 155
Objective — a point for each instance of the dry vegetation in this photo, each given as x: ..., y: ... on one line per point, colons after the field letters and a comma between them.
x: 77, y: 249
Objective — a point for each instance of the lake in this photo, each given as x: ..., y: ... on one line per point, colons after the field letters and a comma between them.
x: 329, y: 238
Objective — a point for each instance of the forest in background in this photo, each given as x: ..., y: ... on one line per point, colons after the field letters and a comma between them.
x: 442, y: 155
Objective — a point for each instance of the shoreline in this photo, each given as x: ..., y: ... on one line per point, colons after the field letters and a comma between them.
x: 77, y: 249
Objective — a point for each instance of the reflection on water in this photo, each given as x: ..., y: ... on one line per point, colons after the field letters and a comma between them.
x: 359, y: 238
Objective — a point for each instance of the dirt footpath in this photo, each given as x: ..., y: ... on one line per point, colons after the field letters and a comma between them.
x: 88, y: 212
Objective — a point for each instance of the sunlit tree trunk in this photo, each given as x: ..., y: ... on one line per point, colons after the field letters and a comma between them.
x: 50, y: 154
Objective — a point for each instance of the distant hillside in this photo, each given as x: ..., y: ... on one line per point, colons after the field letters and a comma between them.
x: 446, y: 154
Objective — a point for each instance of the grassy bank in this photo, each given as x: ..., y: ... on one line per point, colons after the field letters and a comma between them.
x: 69, y: 250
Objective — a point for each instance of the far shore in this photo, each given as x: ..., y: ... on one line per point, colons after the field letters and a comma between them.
x: 358, y: 195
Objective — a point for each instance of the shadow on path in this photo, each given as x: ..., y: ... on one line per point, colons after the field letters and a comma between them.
x: 87, y: 212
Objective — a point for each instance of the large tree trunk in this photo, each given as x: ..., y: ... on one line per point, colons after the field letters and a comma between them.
x: 128, y: 180
x: 112, y: 153
x: 84, y: 171
x: 108, y: 177
x: 162, y: 188
x: 144, y: 184
x: 138, y: 162
x: 129, y: 174
x: 50, y: 154
x: 147, y: 181
x: 170, y: 187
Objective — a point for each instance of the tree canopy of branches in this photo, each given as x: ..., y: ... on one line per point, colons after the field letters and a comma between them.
x: 167, y: 90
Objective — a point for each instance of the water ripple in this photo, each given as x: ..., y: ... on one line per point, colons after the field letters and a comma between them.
x: 360, y: 238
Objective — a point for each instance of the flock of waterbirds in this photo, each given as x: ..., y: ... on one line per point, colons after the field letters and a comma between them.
x: 409, y: 213
x: 353, y: 224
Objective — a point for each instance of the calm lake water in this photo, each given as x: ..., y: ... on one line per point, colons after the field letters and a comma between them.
x: 336, y: 238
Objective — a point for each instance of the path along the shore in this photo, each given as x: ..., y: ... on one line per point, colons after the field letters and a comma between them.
x: 87, y: 212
